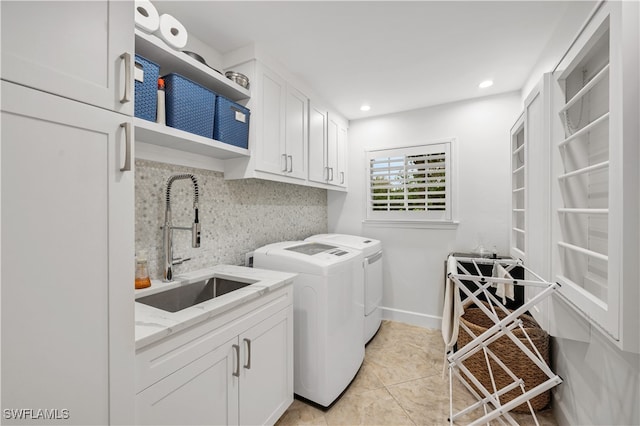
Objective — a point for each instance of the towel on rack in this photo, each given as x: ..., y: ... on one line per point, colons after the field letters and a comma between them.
x: 503, y: 290
x: 453, y: 309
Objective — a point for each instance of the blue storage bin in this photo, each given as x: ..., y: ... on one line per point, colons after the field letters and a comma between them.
x: 146, y: 91
x: 231, y: 123
x: 189, y: 106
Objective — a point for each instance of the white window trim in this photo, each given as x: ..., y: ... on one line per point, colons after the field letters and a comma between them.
x: 412, y: 222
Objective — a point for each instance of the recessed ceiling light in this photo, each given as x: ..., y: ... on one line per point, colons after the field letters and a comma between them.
x: 485, y: 84
x: 365, y: 108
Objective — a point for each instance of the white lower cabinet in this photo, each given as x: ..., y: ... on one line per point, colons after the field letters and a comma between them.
x: 233, y: 369
x: 264, y: 391
x: 202, y: 392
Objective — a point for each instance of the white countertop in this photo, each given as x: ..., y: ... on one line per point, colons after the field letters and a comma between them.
x: 153, y: 324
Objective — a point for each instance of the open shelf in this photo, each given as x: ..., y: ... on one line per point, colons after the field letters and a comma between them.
x: 161, y: 135
x: 171, y: 60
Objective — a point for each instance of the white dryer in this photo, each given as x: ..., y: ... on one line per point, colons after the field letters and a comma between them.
x: 327, y: 314
x: 372, y: 266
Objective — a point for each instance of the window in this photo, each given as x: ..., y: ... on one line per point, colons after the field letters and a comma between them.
x: 410, y: 184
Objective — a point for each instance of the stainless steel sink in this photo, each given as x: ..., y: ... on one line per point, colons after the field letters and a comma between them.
x: 185, y: 296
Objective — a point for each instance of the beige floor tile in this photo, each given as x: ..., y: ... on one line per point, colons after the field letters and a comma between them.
x: 365, y: 380
x: 375, y: 407
x: 403, y: 361
x: 426, y: 400
x: 392, y: 333
x: 300, y: 413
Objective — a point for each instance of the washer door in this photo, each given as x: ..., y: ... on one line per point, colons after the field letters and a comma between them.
x: 372, y: 282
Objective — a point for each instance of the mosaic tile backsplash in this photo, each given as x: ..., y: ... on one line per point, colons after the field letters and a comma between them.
x: 236, y: 216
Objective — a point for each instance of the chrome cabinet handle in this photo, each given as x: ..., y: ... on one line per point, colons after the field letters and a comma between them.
x: 341, y: 178
x: 237, y: 372
x: 285, y: 169
x: 248, y: 364
x: 290, y: 169
x: 325, y: 174
x: 127, y: 154
x: 331, y: 170
x: 128, y: 81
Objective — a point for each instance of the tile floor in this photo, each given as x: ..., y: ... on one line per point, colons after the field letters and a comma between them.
x: 399, y: 383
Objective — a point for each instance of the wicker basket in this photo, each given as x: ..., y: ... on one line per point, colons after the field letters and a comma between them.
x: 231, y: 123
x: 510, y: 355
x: 146, y: 91
x: 189, y: 106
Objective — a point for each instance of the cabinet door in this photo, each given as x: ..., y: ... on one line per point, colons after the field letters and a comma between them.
x: 204, y: 392
x: 332, y: 151
x: 317, y: 143
x: 70, y: 48
x: 67, y: 258
x: 343, y: 150
x: 266, y: 390
x: 297, y: 134
x: 270, y: 150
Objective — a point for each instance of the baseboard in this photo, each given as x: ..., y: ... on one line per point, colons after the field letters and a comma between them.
x: 412, y: 318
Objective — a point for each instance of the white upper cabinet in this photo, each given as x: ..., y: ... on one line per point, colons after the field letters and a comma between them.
x: 327, y: 147
x: 595, y: 173
x: 269, y: 119
x: 82, y: 50
x: 292, y: 138
x: 297, y: 137
x: 317, y: 143
x: 281, y: 137
x: 342, y: 151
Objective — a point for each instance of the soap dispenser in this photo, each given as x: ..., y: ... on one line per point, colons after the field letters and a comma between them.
x: 142, y: 272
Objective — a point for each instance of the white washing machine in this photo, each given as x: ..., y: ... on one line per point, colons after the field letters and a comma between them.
x: 327, y: 314
x: 372, y: 266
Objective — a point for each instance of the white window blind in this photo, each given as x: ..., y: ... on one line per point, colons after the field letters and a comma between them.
x: 412, y: 183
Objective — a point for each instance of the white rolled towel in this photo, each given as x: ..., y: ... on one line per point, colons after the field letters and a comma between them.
x: 452, y: 310
x: 503, y: 290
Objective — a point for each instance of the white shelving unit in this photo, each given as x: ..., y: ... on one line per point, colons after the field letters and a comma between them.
x: 171, y: 60
x: 594, y: 176
x: 161, y: 135
x: 518, y: 189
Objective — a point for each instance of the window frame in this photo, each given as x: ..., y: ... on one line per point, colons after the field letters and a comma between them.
x: 427, y: 218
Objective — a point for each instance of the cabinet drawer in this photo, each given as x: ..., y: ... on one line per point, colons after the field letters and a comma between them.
x: 159, y: 360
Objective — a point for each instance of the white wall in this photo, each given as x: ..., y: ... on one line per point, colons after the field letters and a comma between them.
x: 414, y: 258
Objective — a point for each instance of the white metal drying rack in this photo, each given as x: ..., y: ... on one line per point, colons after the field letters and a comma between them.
x: 489, y: 399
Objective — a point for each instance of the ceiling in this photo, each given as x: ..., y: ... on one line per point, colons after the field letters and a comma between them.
x: 392, y: 55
